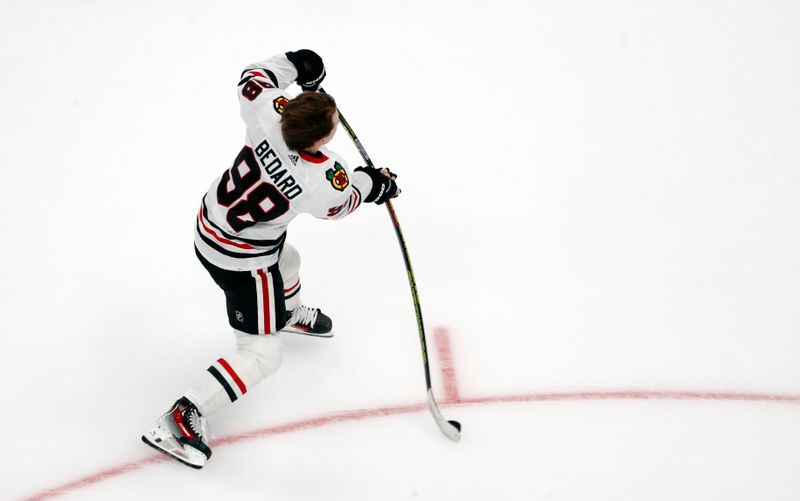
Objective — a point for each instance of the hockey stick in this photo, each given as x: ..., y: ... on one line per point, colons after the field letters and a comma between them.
x: 451, y: 429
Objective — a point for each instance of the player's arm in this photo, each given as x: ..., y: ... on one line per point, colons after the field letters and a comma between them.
x: 304, y: 67
x: 342, y: 194
x: 364, y: 185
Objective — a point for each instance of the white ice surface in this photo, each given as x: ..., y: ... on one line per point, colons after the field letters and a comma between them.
x: 597, y: 196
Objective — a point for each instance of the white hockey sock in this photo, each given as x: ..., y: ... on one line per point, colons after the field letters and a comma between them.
x: 230, y: 377
x: 294, y: 301
x: 289, y: 266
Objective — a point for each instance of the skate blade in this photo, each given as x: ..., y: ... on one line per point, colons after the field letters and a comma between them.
x: 176, y: 452
x: 292, y: 330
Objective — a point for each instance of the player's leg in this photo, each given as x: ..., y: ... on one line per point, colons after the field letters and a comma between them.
x: 289, y: 266
x: 229, y: 378
x: 182, y: 431
x: 301, y: 319
x: 256, y: 310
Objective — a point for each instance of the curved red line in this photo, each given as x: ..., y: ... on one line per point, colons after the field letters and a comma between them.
x: 637, y: 395
x: 360, y: 414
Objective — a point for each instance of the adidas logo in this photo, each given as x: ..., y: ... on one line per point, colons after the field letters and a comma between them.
x: 294, y: 159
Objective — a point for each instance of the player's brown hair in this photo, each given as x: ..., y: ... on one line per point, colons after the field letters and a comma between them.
x: 306, y: 119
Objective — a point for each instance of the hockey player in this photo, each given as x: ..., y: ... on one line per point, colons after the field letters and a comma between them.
x: 283, y: 170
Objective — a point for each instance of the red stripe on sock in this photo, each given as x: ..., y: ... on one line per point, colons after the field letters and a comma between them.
x: 225, y: 365
x: 290, y: 289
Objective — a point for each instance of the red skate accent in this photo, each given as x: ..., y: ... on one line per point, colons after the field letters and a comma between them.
x: 178, y: 418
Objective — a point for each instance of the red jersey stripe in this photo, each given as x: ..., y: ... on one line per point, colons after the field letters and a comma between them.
x: 355, y: 201
x: 219, y: 238
x: 268, y: 327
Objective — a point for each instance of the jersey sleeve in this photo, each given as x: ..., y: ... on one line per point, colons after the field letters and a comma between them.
x: 277, y: 71
x: 262, y: 95
x: 343, y: 194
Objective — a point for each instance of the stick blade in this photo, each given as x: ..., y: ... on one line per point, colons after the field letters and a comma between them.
x: 451, y: 429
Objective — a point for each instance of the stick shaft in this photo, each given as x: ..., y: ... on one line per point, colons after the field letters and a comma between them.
x: 414, y: 294
x: 451, y: 429
x: 404, y: 249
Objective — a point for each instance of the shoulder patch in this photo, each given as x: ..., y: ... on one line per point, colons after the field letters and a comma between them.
x: 338, y: 177
x: 279, y: 102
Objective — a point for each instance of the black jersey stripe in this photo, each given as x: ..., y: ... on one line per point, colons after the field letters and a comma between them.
x: 270, y: 74
x: 214, y: 372
x: 251, y: 241
x: 238, y: 255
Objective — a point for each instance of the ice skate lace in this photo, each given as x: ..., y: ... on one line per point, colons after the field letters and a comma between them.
x: 304, y: 315
x: 199, y: 426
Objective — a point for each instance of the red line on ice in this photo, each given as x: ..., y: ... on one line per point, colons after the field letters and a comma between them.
x: 361, y: 414
x: 453, y: 398
x: 442, y: 338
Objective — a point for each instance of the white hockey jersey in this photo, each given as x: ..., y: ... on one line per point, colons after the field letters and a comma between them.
x: 244, y: 215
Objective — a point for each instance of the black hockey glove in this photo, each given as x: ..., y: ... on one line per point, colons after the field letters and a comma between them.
x: 310, y: 69
x: 383, y: 185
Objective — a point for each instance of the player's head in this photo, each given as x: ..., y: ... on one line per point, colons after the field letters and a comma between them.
x: 309, y: 119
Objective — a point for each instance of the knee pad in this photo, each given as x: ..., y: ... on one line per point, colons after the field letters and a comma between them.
x: 265, y: 350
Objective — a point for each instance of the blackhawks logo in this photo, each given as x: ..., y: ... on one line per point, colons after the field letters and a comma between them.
x: 279, y: 103
x: 338, y: 177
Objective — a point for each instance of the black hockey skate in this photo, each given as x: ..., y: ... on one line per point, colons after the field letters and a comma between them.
x: 181, y: 434
x: 308, y: 321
